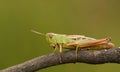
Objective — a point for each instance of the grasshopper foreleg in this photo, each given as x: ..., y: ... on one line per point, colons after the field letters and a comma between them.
x: 55, y: 49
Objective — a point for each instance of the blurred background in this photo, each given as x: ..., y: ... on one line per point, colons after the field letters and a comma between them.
x: 93, y: 18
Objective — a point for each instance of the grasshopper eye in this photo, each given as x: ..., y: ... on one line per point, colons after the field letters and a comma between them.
x: 50, y: 35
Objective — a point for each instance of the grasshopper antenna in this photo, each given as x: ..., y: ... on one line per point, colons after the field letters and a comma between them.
x: 37, y: 32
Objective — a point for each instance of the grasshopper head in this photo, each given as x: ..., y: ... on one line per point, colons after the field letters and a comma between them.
x: 51, y: 40
x: 49, y: 37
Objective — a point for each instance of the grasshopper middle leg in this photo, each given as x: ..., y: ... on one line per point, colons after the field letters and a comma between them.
x: 60, y: 46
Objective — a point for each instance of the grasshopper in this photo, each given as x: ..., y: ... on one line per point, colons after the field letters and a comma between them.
x: 75, y: 42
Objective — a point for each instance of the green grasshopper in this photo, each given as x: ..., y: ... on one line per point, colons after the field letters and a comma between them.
x: 75, y: 42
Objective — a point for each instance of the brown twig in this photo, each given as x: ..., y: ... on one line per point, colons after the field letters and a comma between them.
x: 84, y: 56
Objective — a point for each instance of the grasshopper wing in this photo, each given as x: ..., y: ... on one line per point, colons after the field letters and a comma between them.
x: 84, y: 44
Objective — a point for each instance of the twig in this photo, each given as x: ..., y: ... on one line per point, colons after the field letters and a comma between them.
x: 84, y: 56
